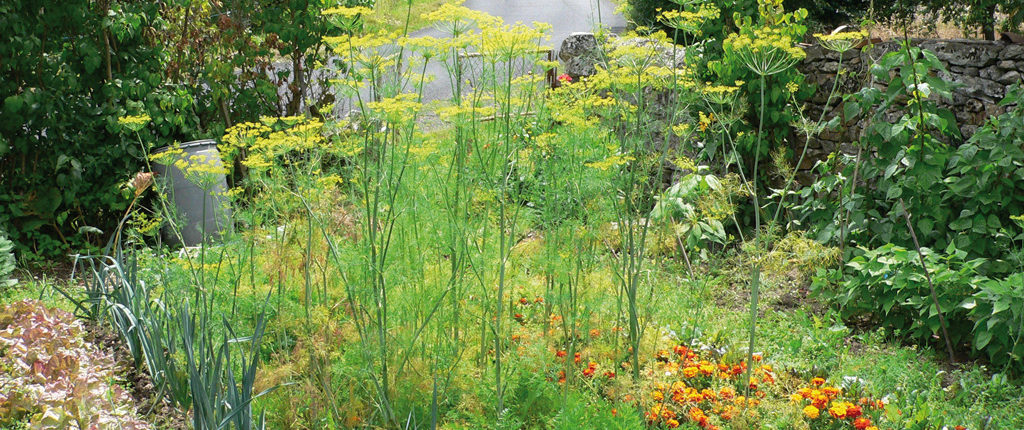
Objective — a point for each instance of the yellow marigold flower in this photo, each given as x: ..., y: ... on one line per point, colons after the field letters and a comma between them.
x: 837, y: 410
x: 796, y: 398
x: 658, y: 396
x: 690, y: 371
x: 811, y: 412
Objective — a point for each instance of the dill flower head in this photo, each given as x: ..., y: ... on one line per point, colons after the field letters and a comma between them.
x: 766, y: 52
x: 458, y: 19
x: 347, y: 12
x: 719, y: 94
x: 134, y: 122
x: 689, y: 21
x: 842, y: 41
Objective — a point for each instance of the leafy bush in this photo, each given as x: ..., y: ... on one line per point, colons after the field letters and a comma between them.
x: 194, y: 68
x: 70, y: 70
x: 962, y: 195
x: 887, y: 285
x: 997, y: 310
x: 53, y: 378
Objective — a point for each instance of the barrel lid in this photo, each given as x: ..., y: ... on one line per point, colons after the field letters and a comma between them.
x: 188, y: 145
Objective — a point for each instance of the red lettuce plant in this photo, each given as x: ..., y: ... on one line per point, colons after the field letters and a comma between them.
x: 53, y: 378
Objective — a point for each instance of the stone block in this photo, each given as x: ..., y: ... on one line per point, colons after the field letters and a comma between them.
x: 579, y: 54
x: 1009, y: 78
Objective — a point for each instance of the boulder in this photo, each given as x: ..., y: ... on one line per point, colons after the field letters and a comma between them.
x: 579, y: 53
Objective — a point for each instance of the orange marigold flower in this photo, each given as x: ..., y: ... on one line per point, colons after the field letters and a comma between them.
x: 523, y: 301
x: 658, y: 396
x: 960, y: 428
x: 861, y: 423
x: 811, y: 412
x: 672, y: 423
x: 727, y: 392
x: 697, y: 415
x: 576, y: 358
x: 561, y: 353
x: 706, y: 367
x: 692, y: 395
x: 708, y: 394
x: 690, y: 371
x: 853, y: 411
x: 539, y: 299
x: 595, y: 333
x: 818, y: 381
x: 758, y: 357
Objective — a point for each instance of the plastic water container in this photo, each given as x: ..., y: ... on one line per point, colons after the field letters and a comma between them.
x: 196, y: 208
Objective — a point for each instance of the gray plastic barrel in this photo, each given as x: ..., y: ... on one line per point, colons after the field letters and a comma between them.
x: 194, y: 207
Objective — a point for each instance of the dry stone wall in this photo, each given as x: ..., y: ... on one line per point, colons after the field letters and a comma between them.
x: 982, y: 71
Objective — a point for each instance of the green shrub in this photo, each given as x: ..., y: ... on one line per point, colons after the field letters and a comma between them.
x: 888, y: 286
x: 997, y: 310
x: 963, y: 195
x: 70, y: 70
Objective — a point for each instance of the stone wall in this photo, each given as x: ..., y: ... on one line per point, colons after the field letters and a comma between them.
x: 982, y: 71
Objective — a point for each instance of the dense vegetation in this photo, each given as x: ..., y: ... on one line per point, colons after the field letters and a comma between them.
x: 630, y: 249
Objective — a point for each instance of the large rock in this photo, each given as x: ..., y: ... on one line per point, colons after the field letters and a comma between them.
x: 579, y: 53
